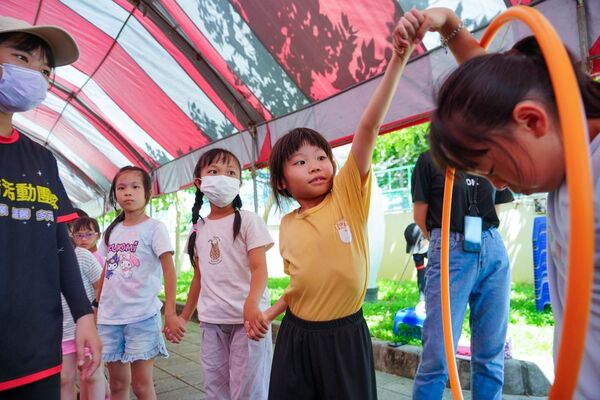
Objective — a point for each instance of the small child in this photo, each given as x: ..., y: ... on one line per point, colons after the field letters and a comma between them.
x: 129, y: 309
x: 323, y: 347
x: 227, y: 250
x: 93, y: 388
x: 86, y: 233
x: 513, y: 138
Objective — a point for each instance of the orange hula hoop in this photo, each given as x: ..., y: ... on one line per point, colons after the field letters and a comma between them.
x: 581, y: 216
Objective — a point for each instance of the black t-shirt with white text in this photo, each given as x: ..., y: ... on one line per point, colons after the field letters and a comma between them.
x: 427, y: 186
x: 33, y: 252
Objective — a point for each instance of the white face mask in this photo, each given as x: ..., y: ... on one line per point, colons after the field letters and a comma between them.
x: 21, y: 89
x: 220, y: 189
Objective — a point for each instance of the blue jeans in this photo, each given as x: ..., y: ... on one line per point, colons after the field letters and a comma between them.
x: 481, y: 280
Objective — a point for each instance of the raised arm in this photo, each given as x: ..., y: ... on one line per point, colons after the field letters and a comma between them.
x: 372, y: 118
x: 451, y: 29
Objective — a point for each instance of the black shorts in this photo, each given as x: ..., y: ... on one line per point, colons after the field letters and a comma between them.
x: 323, y: 360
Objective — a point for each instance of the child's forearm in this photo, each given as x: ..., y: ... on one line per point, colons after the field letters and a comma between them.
x: 258, y: 284
x: 276, y: 309
x: 462, y: 44
x: 259, y: 274
x: 192, y: 297
x: 170, y: 283
x: 373, y: 116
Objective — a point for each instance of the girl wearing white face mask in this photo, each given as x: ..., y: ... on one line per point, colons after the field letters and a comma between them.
x: 33, y: 273
x: 227, y: 249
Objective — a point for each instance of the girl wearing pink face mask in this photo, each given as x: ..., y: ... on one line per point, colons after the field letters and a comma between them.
x: 227, y: 250
x: 34, y: 210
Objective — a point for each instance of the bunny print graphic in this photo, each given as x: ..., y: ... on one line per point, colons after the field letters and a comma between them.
x: 127, y: 262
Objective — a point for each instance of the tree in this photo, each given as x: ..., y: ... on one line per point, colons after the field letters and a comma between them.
x: 402, y: 147
x: 182, y: 218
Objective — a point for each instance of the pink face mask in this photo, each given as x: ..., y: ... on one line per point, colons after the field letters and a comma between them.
x: 21, y: 89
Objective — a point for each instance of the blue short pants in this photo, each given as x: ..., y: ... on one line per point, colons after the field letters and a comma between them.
x: 141, y: 340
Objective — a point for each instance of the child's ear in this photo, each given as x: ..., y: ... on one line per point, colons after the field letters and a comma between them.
x: 197, y: 183
x: 531, y: 117
x: 282, y: 185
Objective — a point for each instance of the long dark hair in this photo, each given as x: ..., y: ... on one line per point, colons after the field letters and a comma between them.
x: 283, y: 150
x: 112, y: 197
x: 211, y: 156
x: 475, y: 103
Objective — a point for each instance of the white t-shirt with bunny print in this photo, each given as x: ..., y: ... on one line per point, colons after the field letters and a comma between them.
x: 133, y: 274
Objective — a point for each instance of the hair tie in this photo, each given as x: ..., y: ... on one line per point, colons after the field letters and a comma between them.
x: 195, y: 228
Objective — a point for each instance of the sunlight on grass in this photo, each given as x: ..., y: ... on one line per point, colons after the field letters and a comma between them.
x: 530, y: 331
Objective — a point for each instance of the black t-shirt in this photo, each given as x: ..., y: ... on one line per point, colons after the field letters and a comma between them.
x: 427, y: 186
x: 36, y: 262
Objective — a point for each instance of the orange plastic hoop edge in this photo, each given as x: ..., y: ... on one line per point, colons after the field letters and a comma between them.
x: 578, y: 174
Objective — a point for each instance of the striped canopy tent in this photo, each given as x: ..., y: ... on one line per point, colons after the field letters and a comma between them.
x: 159, y: 82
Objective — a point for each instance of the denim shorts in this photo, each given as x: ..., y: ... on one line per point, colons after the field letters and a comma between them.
x: 141, y: 340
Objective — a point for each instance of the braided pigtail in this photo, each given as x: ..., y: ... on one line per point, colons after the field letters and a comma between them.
x: 237, y: 221
x: 195, y: 216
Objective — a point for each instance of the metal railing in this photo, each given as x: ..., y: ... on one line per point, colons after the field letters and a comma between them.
x: 394, y: 184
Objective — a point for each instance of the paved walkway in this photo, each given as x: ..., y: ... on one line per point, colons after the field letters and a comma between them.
x: 179, y: 377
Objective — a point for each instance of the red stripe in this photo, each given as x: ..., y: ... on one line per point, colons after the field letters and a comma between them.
x: 24, y: 380
x: 265, y: 151
x: 67, y: 218
x: 213, y: 57
x: 185, y: 64
x: 389, y: 127
x: 20, y: 9
x: 595, y: 51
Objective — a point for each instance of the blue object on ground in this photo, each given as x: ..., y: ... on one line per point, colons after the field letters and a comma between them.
x: 409, y: 316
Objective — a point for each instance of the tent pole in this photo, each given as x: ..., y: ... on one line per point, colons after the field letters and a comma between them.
x: 252, y: 130
x: 584, y: 44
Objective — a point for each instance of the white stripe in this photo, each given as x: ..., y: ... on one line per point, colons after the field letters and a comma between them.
x: 88, y: 131
x: 155, y: 61
x: 115, y: 114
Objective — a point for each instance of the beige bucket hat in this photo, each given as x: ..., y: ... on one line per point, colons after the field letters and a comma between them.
x: 63, y: 45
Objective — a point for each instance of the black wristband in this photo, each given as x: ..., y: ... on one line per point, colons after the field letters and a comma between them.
x: 95, y: 303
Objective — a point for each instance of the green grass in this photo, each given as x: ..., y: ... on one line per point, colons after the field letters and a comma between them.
x: 530, y: 331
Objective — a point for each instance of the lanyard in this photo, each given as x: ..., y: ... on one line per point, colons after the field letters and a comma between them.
x: 473, y: 199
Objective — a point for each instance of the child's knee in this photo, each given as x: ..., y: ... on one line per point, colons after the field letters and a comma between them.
x: 118, y: 384
x: 142, y: 388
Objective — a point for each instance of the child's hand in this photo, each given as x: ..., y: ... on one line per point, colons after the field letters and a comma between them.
x: 410, y: 31
x: 258, y: 328
x: 174, y: 328
x: 86, y: 335
x: 255, y: 321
